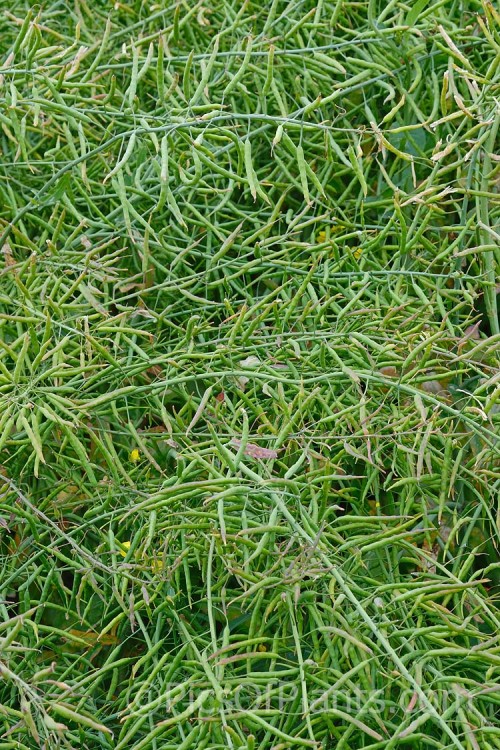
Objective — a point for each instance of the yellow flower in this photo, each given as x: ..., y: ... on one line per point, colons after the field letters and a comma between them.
x: 357, y: 252
x: 134, y: 456
x: 262, y: 647
x: 321, y: 236
x: 126, y: 546
x: 155, y: 563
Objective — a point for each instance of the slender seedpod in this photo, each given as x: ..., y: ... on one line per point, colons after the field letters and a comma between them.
x: 358, y: 169
x: 100, y: 52
x: 124, y: 159
x: 147, y: 62
x: 175, y: 30
x: 249, y: 169
x: 7, y: 422
x: 269, y: 74
x: 186, y: 77
x: 23, y: 31
x: 160, y: 70
x: 253, y: 182
x: 133, y: 77
x: 277, y: 137
x: 330, y: 62
x: 206, y: 74
x: 241, y: 70
x: 164, y: 159
x: 445, y: 98
x: 302, y: 173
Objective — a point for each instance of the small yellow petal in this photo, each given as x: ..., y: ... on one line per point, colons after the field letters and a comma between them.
x: 126, y: 545
x: 134, y: 456
x: 156, y: 566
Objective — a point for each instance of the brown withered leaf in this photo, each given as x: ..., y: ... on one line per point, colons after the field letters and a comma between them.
x: 255, y: 451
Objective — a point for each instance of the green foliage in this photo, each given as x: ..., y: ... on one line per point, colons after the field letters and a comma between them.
x: 249, y: 375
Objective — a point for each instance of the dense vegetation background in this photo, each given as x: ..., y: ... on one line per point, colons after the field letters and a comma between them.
x: 249, y: 374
